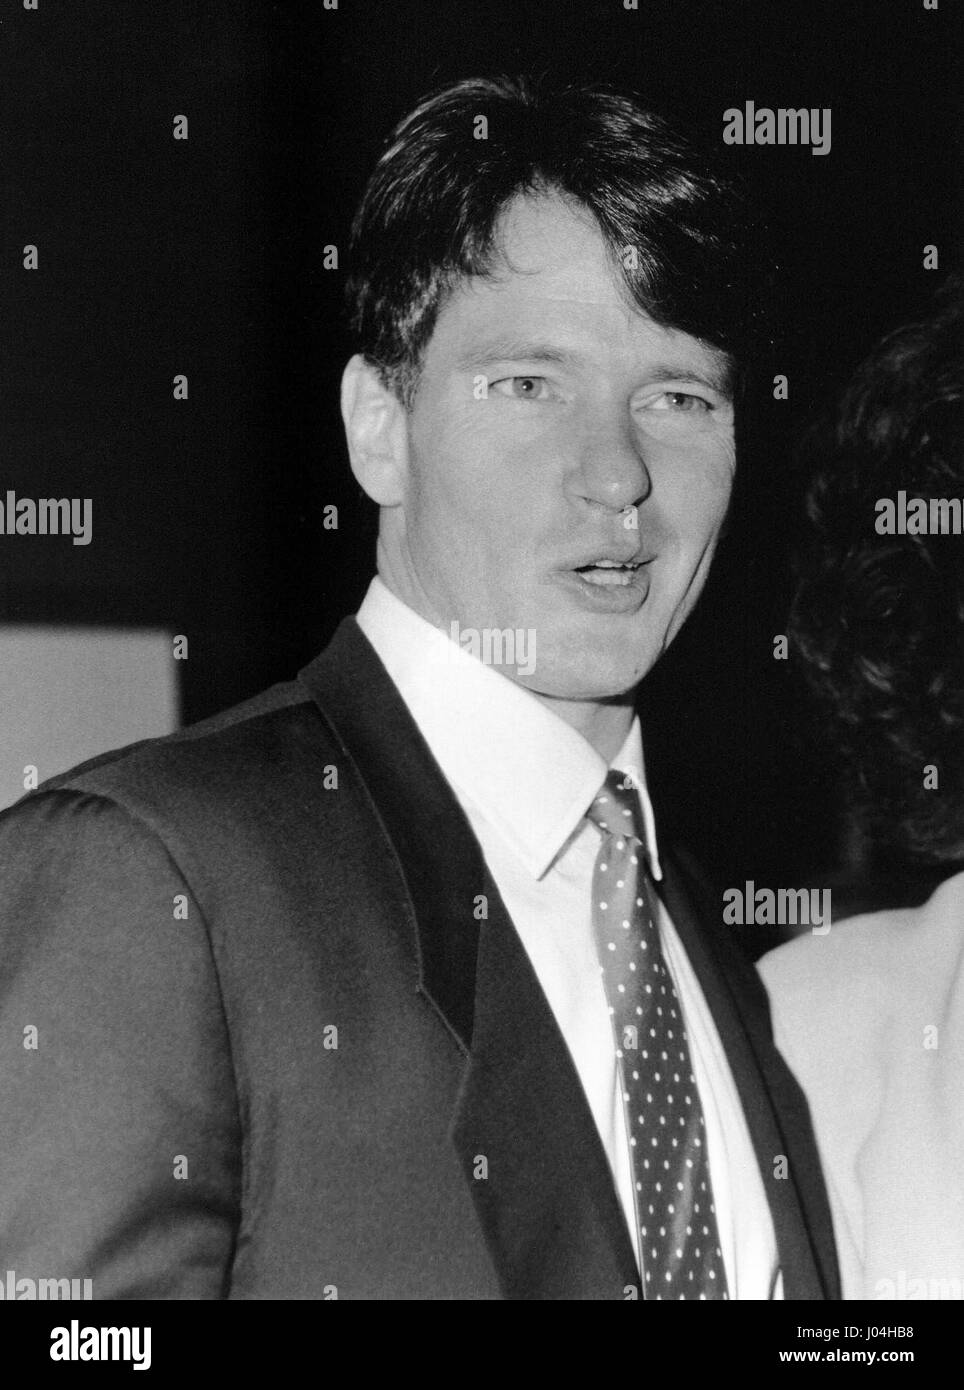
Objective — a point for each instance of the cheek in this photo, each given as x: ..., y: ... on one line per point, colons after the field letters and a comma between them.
x: 482, y: 480
x: 695, y: 496
x: 443, y: 471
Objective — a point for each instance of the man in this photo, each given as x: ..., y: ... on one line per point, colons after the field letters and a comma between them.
x: 326, y: 997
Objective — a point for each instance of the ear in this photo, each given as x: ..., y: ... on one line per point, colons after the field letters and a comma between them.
x: 376, y: 427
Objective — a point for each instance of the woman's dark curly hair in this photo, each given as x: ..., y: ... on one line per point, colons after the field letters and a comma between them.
x: 879, y: 620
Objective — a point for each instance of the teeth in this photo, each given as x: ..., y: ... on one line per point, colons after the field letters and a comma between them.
x: 609, y: 576
x: 609, y: 572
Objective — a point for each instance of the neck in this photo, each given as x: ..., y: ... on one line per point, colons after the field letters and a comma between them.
x: 603, y: 724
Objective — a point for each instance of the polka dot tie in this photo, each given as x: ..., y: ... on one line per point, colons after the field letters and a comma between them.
x: 678, y: 1237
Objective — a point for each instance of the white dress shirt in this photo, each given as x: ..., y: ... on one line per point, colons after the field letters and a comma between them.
x: 525, y: 779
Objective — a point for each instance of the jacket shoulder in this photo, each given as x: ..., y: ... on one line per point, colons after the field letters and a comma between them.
x: 231, y: 747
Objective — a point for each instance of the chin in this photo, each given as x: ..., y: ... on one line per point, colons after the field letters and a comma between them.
x: 587, y: 677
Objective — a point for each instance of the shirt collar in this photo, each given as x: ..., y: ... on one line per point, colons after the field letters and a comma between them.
x: 526, y: 770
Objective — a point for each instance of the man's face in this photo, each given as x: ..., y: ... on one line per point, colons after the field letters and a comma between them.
x: 600, y: 438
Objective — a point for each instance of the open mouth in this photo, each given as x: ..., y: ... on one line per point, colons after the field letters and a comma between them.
x: 609, y: 573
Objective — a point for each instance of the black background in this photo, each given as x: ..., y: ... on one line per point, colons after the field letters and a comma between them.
x: 205, y: 257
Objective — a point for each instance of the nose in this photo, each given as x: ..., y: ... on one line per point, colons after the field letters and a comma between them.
x: 611, y: 469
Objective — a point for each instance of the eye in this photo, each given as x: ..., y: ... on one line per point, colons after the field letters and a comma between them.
x: 680, y: 403
x: 522, y: 388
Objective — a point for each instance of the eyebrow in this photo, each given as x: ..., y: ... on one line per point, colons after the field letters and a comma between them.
x: 514, y: 350
x: 719, y: 377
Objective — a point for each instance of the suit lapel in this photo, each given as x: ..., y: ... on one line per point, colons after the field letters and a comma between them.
x: 526, y: 1138
x: 773, y: 1105
x: 528, y: 1143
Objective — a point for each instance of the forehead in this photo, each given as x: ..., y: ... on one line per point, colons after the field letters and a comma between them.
x: 554, y: 278
x: 556, y: 243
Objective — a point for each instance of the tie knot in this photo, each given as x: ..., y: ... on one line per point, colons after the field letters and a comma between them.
x: 616, y: 809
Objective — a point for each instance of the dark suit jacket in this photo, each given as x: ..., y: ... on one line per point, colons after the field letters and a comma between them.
x: 329, y: 1074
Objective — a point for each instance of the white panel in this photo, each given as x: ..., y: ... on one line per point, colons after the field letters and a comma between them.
x: 69, y: 693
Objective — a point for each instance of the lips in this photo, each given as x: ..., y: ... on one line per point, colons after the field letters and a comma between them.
x: 608, y: 582
x: 609, y: 573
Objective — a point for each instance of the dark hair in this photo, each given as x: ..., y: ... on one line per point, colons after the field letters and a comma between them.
x: 879, y: 619
x: 430, y: 211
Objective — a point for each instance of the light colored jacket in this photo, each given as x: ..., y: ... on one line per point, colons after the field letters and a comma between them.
x: 870, y: 1019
